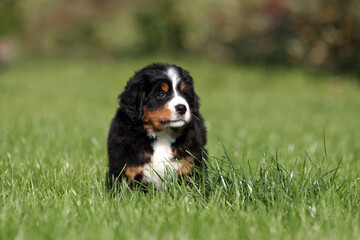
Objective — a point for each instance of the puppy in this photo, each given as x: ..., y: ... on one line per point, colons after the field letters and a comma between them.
x: 157, y: 131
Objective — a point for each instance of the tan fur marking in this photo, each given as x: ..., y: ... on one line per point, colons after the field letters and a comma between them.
x: 175, y: 152
x: 148, y: 155
x: 133, y: 171
x: 152, y: 119
x: 165, y: 87
x: 182, y: 86
x: 186, y: 165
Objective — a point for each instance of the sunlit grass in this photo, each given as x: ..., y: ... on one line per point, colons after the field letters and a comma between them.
x: 283, y: 147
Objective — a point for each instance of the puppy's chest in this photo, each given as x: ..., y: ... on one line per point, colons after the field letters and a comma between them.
x: 162, y: 162
x: 162, y: 149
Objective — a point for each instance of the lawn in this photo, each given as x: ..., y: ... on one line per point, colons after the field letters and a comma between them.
x: 284, y: 149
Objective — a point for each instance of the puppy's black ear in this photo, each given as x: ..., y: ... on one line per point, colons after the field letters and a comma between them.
x: 196, y: 103
x: 130, y: 100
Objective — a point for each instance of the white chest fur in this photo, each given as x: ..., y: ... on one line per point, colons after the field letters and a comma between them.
x: 161, y: 164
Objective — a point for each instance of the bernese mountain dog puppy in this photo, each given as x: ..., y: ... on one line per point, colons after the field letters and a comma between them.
x: 157, y: 131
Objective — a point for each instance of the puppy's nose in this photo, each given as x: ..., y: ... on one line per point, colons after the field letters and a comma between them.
x: 181, y: 109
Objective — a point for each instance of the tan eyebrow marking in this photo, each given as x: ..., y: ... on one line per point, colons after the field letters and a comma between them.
x: 165, y: 87
x: 182, y: 86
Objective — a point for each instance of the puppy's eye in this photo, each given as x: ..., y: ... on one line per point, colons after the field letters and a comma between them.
x: 161, y: 95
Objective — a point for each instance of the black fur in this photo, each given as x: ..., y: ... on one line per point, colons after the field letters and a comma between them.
x: 129, y: 143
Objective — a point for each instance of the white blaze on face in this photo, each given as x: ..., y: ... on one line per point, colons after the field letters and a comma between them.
x: 177, y: 119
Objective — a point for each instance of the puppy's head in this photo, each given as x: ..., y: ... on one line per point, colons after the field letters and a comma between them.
x: 160, y: 96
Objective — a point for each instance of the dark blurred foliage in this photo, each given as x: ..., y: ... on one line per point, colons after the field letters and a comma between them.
x: 10, y: 17
x: 313, y: 33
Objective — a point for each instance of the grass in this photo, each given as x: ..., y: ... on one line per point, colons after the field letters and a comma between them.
x: 284, y: 156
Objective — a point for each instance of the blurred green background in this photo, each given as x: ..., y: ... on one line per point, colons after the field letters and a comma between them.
x: 315, y: 34
x: 62, y: 64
